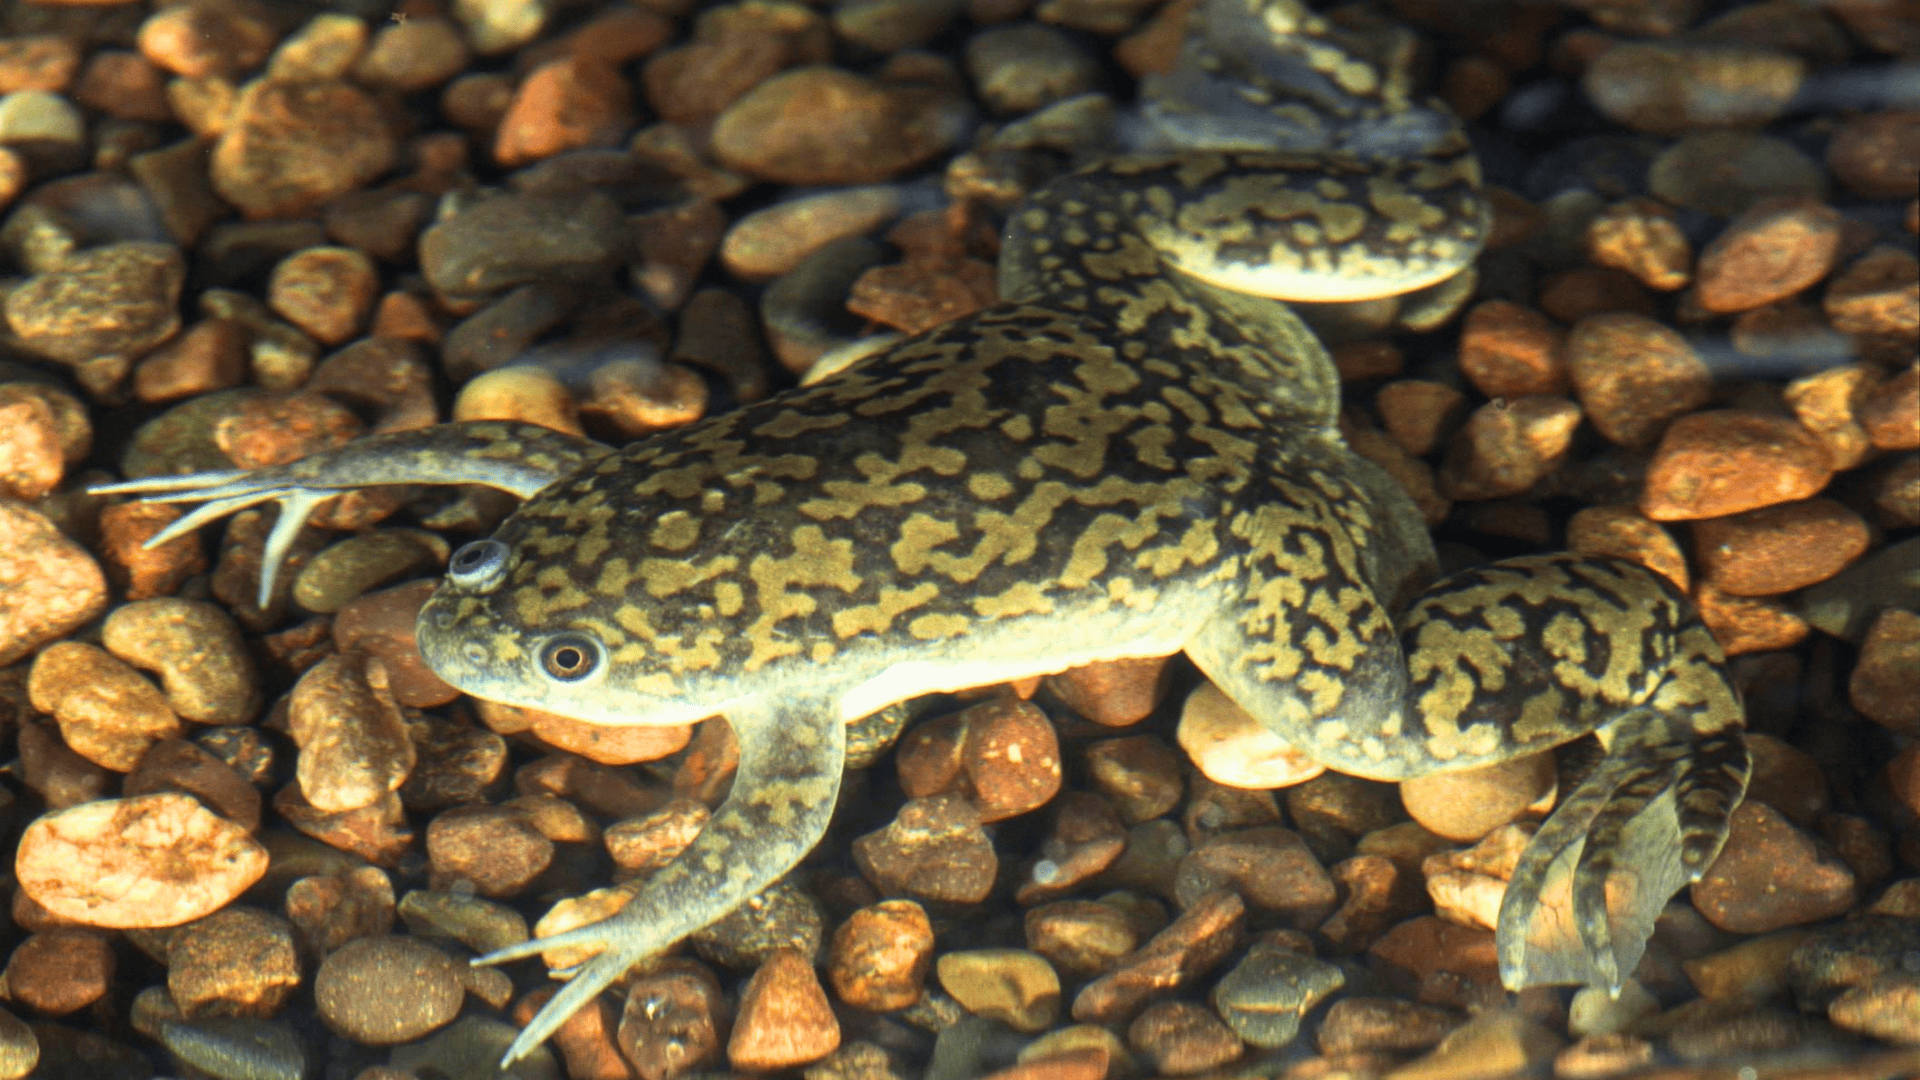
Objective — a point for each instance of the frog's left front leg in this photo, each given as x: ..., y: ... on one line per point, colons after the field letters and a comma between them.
x: 1527, y: 653
x: 791, y: 755
x: 519, y: 458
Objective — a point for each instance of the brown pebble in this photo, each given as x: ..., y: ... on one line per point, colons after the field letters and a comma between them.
x: 934, y: 849
x: 1827, y: 403
x: 672, y: 1021
x: 49, y: 585
x: 1198, y: 941
x: 1634, y: 375
x: 1363, y: 1024
x: 880, y: 956
x: 825, y: 125
x: 1622, y: 533
x: 1016, y: 987
x: 642, y: 845
x: 1420, y: 415
x: 1582, y: 292
x: 354, y: 745
x: 1508, y: 351
x: 59, y: 971
x: 1885, y: 1008
x: 495, y: 848
x: 328, y: 292
x: 289, y: 147
x: 150, y: 860
x: 329, y: 910
x: 1180, y: 1038
x: 1506, y: 447
x: 1429, y: 946
x: 575, y: 103
x: 147, y: 572
x: 1468, y: 804
x: 1086, y: 837
x: 1885, y: 685
x: 1771, y: 251
x: 1080, y: 937
x: 1001, y: 754
x: 784, y: 1017
x: 1229, y: 746
x: 1778, y: 549
x: 1726, y: 461
x: 108, y: 712
x: 386, y: 990
x: 1891, y: 413
x: 1772, y: 875
x: 196, y: 650
x: 235, y: 962
x: 1743, y: 624
x: 1877, y: 154
x: 1877, y: 296
x: 1138, y: 774
x: 1641, y: 237
x: 1270, y: 867
x: 179, y: 765
x: 381, y: 624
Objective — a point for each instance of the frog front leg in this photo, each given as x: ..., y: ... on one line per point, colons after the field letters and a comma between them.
x: 792, y: 751
x: 523, y: 459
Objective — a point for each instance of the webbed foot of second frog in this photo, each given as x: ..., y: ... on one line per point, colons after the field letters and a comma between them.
x: 1648, y: 820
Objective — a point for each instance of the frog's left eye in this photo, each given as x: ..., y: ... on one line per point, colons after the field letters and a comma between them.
x: 479, y: 566
x: 571, y: 657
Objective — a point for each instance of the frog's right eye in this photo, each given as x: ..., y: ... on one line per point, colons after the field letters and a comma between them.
x: 571, y: 657
x: 479, y: 566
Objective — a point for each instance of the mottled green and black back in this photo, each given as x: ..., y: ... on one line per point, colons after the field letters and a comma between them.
x: 918, y: 506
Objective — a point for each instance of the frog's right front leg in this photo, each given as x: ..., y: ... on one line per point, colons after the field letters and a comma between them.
x: 523, y: 459
x: 792, y: 751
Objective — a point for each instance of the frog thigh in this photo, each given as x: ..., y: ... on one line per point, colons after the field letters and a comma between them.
x: 1302, y: 644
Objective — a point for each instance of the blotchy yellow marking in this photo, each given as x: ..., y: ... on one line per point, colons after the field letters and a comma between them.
x: 936, y: 627
x: 1023, y: 598
x: 878, y: 617
x: 675, y: 530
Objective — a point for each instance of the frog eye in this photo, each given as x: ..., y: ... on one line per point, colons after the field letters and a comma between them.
x: 479, y: 566
x: 570, y: 657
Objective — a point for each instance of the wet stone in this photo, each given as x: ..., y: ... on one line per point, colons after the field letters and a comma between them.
x: 495, y: 848
x: 1772, y: 875
x: 881, y: 955
x: 1016, y: 987
x: 1770, y: 252
x: 495, y: 244
x: 672, y: 1021
x: 1509, y: 350
x: 1379, y: 1024
x: 767, y: 243
x: 1885, y: 684
x: 1642, y: 237
x: 1139, y: 775
x: 196, y: 650
x: 59, y: 971
x: 226, y: 1046
x: 1469, y: 804
x: 1725, y: 461
x: 327, y: 911
x: 291, y: 147
x: 1080, y: 937
x: 1002, y: 755
x: 108, y: 712
x: 1265, y: 996
x: 386, y: 990
x: 933, y: 850
x: 236, y: 962
x: 1114, y: 693
x: 1506, y: 447
x: 1778, y: 549
x: 149, y: 860
x: 1874, y: 154
x: 1230, y: 747
x: 823, y: 125
x: 1195, y: 943
x: 784, y: 1018
x: 1420, y: 415
x: 780, y: 917
x: 1886, y: 1007
x: 179, y: 765
x: 1024, y: 67
x: 353, y: 741
x: 1377, y: 893
x: 1086, y: 837
x: 1634, y: 375
x: 116, y: 299
x: 1270, y: 867
x: 1724, y: 172
x: 1625, y: 534
x: 1180, y: 1037
x: 1827, y: 403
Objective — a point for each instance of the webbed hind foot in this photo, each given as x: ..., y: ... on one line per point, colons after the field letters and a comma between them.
x: 1648, y: 820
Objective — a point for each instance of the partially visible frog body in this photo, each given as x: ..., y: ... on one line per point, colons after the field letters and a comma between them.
x: 1134, y: 454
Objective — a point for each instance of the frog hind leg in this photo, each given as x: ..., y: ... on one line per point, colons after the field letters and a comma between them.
x: 1646, y: 821
x: 791, y: 756
x: 519, y: 458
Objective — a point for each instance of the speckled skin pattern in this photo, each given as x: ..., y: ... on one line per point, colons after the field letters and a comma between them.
x: 1131, y: 455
